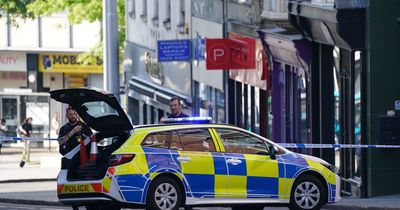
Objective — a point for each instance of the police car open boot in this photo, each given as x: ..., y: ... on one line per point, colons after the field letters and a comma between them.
x: 21, y: 164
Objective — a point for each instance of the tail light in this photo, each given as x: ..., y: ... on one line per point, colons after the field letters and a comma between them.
x: 115, y: 160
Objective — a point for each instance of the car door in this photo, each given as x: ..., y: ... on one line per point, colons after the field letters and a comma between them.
x: 251, y: 171
x: 202, y: 166
x: 100, y: 110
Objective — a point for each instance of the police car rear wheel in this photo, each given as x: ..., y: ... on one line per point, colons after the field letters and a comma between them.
x: 307, y: 193
x: 164, y: 194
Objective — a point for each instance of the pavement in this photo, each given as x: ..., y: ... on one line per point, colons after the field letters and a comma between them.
x: 35, y: 183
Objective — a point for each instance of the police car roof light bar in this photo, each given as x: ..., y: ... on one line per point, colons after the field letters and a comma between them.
x: 192, y: 120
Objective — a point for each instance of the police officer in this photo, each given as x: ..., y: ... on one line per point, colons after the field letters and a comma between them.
x: 70, y: 132
x: 175, y: 107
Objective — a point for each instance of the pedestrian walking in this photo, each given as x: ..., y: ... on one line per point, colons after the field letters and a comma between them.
x: 175, y: 107
x: 25, y: 131
x: 69, y: 133
x: 3, y: 131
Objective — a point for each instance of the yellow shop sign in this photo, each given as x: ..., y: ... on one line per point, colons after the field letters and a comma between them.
x: 67, y: 63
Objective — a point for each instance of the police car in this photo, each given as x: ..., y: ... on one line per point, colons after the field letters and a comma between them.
x: 176, y: 164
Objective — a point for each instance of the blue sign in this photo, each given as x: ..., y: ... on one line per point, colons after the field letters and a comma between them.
x: 173, y: 50
x: 199, y: 48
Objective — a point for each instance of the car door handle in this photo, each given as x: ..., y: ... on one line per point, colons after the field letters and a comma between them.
x: 234, y: 161
x: 183, y: 159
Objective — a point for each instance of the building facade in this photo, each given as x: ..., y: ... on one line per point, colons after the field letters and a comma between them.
x: 39, y: 55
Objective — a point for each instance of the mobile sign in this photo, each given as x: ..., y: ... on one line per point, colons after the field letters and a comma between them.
x: 173, y: 50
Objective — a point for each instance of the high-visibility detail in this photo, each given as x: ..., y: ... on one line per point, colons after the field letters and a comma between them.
x: 261, y: 165
x: 237, y: 186
x: 220, y: 186
x: 81, y: 188
x: 197, y: 162
x: 285, y: 186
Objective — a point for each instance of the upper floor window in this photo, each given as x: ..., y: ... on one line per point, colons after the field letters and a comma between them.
x: 144, y: 10
x: 154, y: 19
x: 167, y: 19
x: 132, y: 8
x: 275, y: 9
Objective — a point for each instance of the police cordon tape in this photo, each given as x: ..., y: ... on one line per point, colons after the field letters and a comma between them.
x: 286, y: 145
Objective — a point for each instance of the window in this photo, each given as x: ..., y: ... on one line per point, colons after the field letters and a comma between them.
x: 144, y: 10
x: 240, y: 142
x: 132, y: 8
x: 99, y: 109
x: 158, y: 140
x: 167, y: 19
x: 196, y: 140
x: 275, y: 9
x: 176, y: 143
x: 154, y: 19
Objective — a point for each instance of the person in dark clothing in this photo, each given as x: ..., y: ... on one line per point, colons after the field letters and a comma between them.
x: 25, y: 131
x: 175, y: 107
x: 69, y: 133
x: 3, y: 131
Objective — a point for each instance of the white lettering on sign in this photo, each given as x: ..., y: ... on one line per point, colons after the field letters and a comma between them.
x: 218, y: 53
x: 8, y: 60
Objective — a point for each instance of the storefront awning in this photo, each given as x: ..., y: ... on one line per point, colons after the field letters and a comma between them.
x: 154, y: 94
x: 286, y: 47
x: 342, y: 25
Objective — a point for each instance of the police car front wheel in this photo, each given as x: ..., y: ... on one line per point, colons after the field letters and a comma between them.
x: 307, y: 193
x: 164, y: 194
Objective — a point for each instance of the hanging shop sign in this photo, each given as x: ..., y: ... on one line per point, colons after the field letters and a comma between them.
x: 173, y: 50
x: 231, y: 53
x: 13, y: 61
x: 68, y: 63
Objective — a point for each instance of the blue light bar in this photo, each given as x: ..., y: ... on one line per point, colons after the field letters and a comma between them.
x: 191, y: 120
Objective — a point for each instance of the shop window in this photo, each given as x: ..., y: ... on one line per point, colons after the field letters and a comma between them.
x: 197, y: 140
x: 275, y: 9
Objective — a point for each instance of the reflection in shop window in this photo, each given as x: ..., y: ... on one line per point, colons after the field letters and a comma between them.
x: 9, y: 108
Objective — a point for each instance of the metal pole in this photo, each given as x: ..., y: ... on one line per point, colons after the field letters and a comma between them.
x: 111, y: 53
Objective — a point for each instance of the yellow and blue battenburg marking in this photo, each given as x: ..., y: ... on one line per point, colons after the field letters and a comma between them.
x: 209, y: 175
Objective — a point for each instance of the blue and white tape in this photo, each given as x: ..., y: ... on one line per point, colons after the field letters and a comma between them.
x: 351, y: 146
x: 5, y: 138
x: 286, y: 145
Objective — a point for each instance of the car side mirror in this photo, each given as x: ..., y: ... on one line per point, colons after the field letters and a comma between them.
x: 272, y: 152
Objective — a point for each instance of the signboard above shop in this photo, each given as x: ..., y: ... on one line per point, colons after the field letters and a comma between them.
x: 173, y: 50
x: 68, y: 63
x: 13, y: 61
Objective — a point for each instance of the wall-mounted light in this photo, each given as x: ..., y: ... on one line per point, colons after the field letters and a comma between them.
x: 32, y: 78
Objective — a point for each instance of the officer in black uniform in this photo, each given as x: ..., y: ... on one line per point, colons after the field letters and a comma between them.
x: 69, y: 133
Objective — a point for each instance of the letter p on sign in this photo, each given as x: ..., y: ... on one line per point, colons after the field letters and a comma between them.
x: 218, y: 54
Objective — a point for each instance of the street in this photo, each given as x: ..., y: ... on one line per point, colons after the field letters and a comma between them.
x: 13, y: 206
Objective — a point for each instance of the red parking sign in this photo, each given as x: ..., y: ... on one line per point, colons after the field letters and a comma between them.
x: 218, y: 54
x: 230, y: 53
